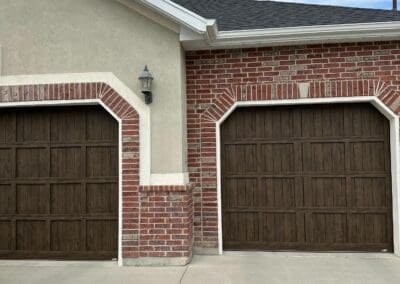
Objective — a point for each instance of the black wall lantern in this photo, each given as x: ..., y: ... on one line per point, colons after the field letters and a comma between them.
x: 146, y: 79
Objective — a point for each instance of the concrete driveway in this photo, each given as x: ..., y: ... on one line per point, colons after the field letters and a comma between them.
x: 233, y: 267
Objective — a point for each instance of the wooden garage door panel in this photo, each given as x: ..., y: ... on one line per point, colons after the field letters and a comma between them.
x: 371, y: 192
x: 67, y: 198
x: 58, y: 183
x: 327, y: 192
x: 67, y: 126
x: 277, y: 192
x: 66, y: 236
x: 31, y: 236
x: 6, y: 236
x: 244, y: 193
x: 101, y: 235
x: 105, y: 133
x: 32, y: 162
x: 101, y: 161
x: 66, y: 162
x: 274, y: 232
x: 306, y: 178
x: 7, y: 132
x: 237, y: 157
x: 32, y: 199
x: 275, y: 125
x: 274, y: 157
x: 324, y: 157
x: 32, y: 127
x: 369, y: 228
x: 326, y: 228
x: 244, y: 227
x: 6, y: 168
x: 363, y: 122
x: 102, y: 198
x: 7, y: 199
x: 367, y: 156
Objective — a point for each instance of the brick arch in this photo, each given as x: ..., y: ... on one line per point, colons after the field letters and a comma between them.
x: 321, y: 89
x: 129, y: 120
x: 208, y: 216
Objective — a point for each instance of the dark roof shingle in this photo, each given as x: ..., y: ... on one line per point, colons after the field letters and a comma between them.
x: 253, y: 14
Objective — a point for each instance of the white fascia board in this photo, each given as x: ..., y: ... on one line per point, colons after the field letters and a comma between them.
x: 305, y: 30
x: 303, y: 35
x: 182, y: 15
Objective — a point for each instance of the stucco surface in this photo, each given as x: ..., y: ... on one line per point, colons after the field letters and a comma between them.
x: 70, y: 36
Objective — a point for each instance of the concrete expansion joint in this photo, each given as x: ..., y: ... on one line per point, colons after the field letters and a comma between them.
x: 183, y: 274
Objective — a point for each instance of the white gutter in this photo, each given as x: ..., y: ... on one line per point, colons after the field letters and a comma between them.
x: 183, y: 16
x: 296, y: 35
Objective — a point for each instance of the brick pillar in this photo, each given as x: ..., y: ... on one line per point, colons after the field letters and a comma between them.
x: 165, y: 225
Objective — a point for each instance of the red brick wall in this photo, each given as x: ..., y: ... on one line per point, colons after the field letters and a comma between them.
x: 156, y: 220
x: 216, y: 79
x: 166, y: 221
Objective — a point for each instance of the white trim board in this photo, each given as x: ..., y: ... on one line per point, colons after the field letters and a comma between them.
x: 102, y: 77
x: 183, y: 16
x: 394, y: 152
x: 1, y: 57
x: 169, y: 179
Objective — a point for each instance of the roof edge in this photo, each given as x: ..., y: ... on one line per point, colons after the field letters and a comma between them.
x: 212, y: 38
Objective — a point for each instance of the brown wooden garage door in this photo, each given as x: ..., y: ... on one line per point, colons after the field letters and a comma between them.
x: 58, y: 183
x: 307, y: 178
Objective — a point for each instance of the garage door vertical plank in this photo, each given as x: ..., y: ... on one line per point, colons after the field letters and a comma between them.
x: 13, y: 162
x: 388, y: 191
x: 258, y: 197
x: 389, y: 217
x: 47, y: 119
x: 297, y: 122
x: 84, y: 138
x: 347, y: 121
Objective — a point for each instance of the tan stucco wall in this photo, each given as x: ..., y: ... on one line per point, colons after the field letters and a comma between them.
x: 69, y: 36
